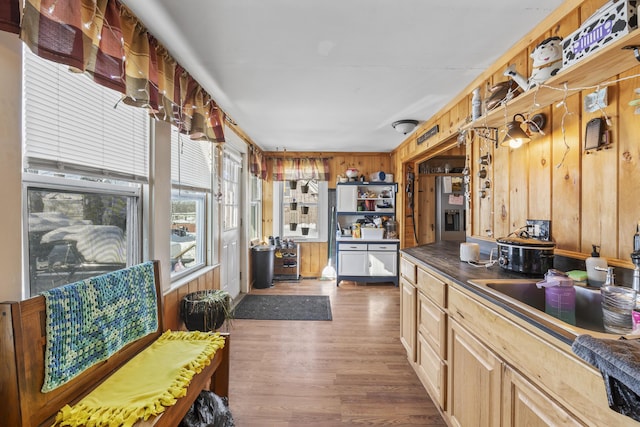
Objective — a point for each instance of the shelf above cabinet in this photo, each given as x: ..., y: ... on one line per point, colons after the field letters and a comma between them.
x: 602, y: 66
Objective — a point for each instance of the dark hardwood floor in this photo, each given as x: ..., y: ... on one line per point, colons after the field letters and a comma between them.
x: 349, y: 371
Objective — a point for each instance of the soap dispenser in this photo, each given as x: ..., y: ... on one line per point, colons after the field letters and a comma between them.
x: 596, y: 276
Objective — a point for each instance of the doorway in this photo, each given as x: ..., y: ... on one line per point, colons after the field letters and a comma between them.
x: 232, y: 209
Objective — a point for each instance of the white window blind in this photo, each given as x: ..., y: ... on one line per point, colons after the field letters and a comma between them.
x: 191, y: 162
x: 71, y: 125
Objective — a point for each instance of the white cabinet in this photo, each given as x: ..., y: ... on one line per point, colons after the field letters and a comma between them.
x: 346, y: 198
x: 383, y: 260
x: 353, y: 260
x: 367, y: 260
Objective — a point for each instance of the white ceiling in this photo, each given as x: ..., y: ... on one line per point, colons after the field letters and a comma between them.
x: 332, y: 75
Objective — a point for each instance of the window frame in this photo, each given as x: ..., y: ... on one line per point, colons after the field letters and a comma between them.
x: 322, y: 206
x: 255, y: 206
x: 91, y: 185
x: 202, y: 235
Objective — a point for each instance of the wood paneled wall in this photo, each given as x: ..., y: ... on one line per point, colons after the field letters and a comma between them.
x: 591, y: 198
x: 313, y: 256
x: 173, y: 297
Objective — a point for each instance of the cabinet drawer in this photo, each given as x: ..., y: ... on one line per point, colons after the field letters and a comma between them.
x: 382, y: 247
x: 408, y: 269
x: 432, y: 325
x: 432, y: 371
x: 352, y: 247
x: 435, y: 288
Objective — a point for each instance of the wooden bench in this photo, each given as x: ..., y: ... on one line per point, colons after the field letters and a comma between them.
x: 22, y: 352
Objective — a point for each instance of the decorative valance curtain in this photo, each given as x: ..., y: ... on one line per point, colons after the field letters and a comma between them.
x: 10, y: 16
x: 258, y: 164
x: 285, y: 169
x: 103, y: 39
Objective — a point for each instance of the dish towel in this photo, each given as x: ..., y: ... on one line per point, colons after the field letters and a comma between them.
x: 619, y: 364
x: 146, y: 384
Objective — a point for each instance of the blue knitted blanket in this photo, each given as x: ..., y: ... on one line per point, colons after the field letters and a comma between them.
x: 90, y: 320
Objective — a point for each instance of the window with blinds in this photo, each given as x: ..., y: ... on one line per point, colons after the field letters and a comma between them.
x: 74, y: 125
x: 191, y: 162
x: 191, y: 178
x: 86, y: 156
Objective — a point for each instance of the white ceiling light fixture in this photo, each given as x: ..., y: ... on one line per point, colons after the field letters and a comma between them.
x: 404, y: 126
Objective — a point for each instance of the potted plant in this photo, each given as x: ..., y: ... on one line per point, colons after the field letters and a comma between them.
x: 206, y: 310
x: 305, y: 187
x: 293, y: 205
x: 304, y: 209
x: 293, y: 226
x: 305, y: 229
x: 293, y: 184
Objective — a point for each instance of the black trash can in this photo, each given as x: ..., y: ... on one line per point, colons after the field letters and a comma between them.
x: 262, y: 260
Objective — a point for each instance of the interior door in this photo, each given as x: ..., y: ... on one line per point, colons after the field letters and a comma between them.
x: 232, y: 221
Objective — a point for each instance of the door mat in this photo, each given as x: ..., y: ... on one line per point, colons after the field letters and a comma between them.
x: 283, y: 307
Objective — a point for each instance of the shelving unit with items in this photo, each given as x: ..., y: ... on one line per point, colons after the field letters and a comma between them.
x: 367, y: 242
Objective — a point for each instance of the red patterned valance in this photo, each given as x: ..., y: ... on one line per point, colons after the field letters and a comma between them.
x: 102, y: 38
x: 10, y: 16
x: 258, y: 164
x: 285, y: 169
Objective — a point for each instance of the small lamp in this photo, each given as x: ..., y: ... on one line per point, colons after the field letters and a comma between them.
x: 515, y: 136
x: 404, y: 126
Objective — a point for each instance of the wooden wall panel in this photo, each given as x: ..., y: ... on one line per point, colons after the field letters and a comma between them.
x: 599, y: 185
x: 484, y: 205
x: 540, y: 172
x: 173, y: 298
x: 518, y: 186
x: 628, y: 152
x: 313, y: 258
x: 500, y: 193
x: 566, y: 174
x: 426, y: 209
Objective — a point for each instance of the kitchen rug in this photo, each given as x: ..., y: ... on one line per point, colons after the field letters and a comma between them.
x: 283, y: 307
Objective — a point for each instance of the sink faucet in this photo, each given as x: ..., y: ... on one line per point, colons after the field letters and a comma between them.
x: 635, y: 257
x: 611, y: 277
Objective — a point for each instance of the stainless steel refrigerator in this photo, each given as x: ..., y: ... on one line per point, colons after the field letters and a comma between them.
x: 450, y: 208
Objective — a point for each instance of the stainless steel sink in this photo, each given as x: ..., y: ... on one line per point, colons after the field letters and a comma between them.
x: 527, y: 299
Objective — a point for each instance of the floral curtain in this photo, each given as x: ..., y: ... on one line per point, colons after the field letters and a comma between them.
x: 10, y: 16
x: 105, y: 40
x: 285, y: 169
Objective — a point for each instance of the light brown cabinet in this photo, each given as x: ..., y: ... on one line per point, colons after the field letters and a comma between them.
x: 431, y: 340
x: 485, y: 366
x: 408, y: 318
x: 475, y: 381
x: 525, y: 405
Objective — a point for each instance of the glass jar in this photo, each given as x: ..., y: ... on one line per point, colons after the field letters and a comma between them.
x: 391, y: 229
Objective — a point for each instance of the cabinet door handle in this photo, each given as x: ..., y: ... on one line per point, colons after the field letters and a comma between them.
x: 460, y: 314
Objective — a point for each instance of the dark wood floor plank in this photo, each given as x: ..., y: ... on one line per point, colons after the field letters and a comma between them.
x: 349, y: 371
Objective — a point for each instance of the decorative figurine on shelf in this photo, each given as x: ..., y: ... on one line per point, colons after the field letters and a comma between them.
x: 547, y: 61
x: 502, y: 92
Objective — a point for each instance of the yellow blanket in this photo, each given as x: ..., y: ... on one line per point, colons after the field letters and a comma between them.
x: 148, y: 383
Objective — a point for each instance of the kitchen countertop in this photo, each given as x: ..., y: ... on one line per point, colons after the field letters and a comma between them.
x: 444, y: 258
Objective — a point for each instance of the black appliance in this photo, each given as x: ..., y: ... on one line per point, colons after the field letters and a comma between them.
x: 525, y: 255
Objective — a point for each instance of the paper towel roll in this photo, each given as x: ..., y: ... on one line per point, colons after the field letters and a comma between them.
x: 469, y: 252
